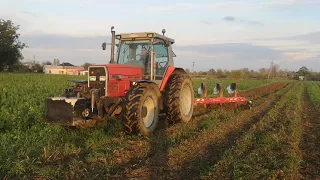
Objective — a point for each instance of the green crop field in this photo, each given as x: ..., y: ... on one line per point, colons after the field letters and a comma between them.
x: 278, y: 138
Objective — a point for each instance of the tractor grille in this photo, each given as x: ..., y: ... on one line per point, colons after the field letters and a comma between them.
x: 97, y: 84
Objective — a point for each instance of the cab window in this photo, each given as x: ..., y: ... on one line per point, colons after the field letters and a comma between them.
x: 162, y: 58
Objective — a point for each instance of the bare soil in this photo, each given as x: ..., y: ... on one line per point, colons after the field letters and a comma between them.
x: 310, y: 144
x: 155, y: 159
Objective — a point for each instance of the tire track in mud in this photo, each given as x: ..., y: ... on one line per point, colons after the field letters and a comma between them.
x: 160, y: 162
x: 252, y: 94
x: 269, y: 149
x: 210, y: 147
x: 199, y: 121
x: 310, y: 142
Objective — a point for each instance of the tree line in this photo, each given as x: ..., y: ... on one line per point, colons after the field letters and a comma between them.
x: 263, y: 73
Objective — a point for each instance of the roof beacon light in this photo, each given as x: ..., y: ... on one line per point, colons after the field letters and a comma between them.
x: 163, y: 31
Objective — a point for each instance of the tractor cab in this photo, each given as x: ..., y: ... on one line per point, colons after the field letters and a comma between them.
x: 148, y: 50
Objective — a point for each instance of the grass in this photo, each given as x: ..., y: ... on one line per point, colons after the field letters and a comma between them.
x: 310, y: 143
x: 313, y: 93
x: 29, y: 148
x: 206, y: 148
x: 204, y: 122
x: 270, y: 148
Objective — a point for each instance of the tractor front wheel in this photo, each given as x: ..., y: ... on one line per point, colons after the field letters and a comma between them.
x: 179, y: 98
x: 140, y: 109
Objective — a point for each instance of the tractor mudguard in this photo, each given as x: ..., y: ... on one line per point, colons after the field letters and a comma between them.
x: 168, y: 73
x: 170, y: 70
x: 155, y: 86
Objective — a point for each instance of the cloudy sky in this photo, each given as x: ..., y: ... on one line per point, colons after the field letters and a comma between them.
x: 226, y: 34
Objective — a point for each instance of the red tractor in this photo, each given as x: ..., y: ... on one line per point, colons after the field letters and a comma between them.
x: 138, y: 84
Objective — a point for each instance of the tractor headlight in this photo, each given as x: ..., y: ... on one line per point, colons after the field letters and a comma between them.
x: 93, y: 78
x: 102, y: 78
x: 133, y: 83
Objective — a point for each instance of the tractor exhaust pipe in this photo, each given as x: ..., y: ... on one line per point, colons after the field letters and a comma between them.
x: 112, y: 45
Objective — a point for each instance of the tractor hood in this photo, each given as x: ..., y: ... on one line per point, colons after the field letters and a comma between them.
x: 116, y: 71
x: 125, y: 71
x: 113, y: 80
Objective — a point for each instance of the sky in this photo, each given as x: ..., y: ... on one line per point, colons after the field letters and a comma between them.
x: 225, y: 34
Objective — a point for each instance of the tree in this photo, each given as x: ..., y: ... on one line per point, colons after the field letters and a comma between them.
x: 46, y: 63
x: 254, y: 74
x: 212, y: 72
x: 283, y: 73
x: 263, y: 73
x: 220, y: 73
x: 187, y: 71
x: 37, y: 67
x: 226, y: 74
x: 10, y: 45
x: 315, y: 76
x: 245, y: 73
x: 86, y: 65
x: 202, y: 73
x: 236, y: 74
x: 274, y: 70
x: 303, y: 71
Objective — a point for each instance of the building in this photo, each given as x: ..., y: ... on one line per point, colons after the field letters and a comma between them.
x: 56, y: 62
x: 64, y: 68
x: 84, y: 73
x: 301, y: 78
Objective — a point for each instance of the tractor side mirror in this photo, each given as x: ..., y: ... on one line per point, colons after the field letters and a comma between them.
x: 217, y: 89
x: 104, y: 46
x: 232, y: 88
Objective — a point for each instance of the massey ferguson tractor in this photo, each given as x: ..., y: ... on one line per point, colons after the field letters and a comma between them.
x: 138, y: 84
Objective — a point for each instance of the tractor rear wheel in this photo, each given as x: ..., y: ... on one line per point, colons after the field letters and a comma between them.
x: 141, y: 108
x: 179, y: 98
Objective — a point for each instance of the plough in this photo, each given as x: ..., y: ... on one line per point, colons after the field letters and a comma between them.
x: 231, y: 89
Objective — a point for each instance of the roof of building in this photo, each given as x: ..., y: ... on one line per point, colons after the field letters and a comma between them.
x: 65, y: 64
x: 74, y: 67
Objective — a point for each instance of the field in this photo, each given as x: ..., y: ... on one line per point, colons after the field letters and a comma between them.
x: 279, y: 138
